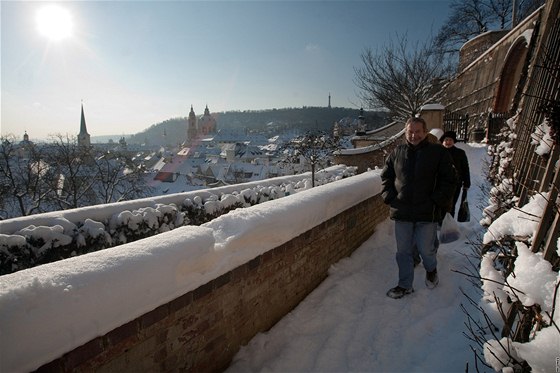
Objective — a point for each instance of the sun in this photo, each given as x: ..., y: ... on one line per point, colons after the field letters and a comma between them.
x: 54, y: 22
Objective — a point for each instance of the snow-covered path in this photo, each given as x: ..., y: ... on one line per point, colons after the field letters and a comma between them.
x: 349, y: 324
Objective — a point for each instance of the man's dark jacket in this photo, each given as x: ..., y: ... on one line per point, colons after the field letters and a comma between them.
x: 418, y: 182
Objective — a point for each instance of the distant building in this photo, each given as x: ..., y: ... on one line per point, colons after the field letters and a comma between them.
x: 24, y: 147
x: 197, y: 128
x: 83, y: 136
x: 207, y: 123
x: 192, y: 129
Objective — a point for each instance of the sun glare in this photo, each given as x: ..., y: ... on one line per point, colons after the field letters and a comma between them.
x: 54, y: 22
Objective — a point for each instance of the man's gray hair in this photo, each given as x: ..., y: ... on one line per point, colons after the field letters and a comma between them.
x: 417, y: 120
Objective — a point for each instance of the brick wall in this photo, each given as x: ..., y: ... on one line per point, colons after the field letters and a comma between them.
x: 203, y: 329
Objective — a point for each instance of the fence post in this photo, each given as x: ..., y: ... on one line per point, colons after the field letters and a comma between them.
x: 433, y: 115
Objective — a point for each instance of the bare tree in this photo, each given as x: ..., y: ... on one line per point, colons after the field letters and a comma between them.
x: 315, y: 147
x: 23, y: 190
x: 61, y: 175
x: 75, y: 173
x: 401, y: 77
x: 118, y: 178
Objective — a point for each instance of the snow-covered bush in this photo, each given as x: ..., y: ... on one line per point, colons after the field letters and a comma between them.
x: 501, y: 196
x: 542, y: 139
x: 521, y: 283
x: 15, y: 253
x: 36, y: 245
x: 128, y: 226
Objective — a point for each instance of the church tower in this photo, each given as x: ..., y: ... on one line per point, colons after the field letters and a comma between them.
x: 83, y: 136
x: 207, y: 123
x: 192, y: 129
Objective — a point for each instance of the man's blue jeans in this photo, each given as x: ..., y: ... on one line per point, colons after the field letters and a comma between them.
x: 409, y: 234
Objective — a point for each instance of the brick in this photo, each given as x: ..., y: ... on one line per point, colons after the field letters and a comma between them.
x: 254, y: 264
x: 153, y: 316
x: 180, y: 303
x: 128, y: 331
x: 83, y: 353
x: 202, y: 291
x: 222, y: 280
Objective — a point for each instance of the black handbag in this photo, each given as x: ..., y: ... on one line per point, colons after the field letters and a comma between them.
x: 464, y: 213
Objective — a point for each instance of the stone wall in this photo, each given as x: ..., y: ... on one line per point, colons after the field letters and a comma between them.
x: 494, y: 74
x: 203, y: 329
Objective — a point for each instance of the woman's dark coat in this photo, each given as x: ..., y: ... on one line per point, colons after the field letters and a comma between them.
x: 461, y: 163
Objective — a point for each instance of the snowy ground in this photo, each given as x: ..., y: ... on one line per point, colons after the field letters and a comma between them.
x: 349, y: 324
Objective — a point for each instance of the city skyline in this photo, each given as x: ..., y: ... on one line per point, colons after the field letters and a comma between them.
x: 135, y: 64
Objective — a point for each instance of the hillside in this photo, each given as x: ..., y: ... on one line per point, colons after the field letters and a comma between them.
x: 271, y: 121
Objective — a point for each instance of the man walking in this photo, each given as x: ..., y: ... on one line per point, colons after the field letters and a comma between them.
x: 418, y: 183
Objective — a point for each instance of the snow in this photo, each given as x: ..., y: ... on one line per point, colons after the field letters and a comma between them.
x: 518, y: 222
x: 532, y: 282
x: 346, y: 324
x: 437, y: 132
x: 432, y: 107
x: 370, y: 148
x: 541, y: 137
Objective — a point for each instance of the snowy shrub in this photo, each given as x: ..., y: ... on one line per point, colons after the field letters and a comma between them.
x: 43, y: 238
x: 230, y: 201
x: 542, y: 139
x: 128, y: 226
x: 38, y: 245
x: 42, y: 245
x: 551, y: 110
x: 289, y: 189
x: 194, y: 211
x: 501, y: 196
x: 519, y: 282
x: 250, y: 196
x: 500, y: 354
x: 15, y: 254
x: 93, y: 235
x: 212, y: 207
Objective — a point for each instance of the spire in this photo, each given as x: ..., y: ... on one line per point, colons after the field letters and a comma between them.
x: 83, y: 136
x: 191, y: 126
x: 329, y: 100
x: 83, y: 129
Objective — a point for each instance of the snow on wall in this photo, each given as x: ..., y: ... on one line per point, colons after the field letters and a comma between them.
x: 51, y: 309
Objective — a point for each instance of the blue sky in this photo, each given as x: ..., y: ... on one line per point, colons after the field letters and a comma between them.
x: 137, y: 63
